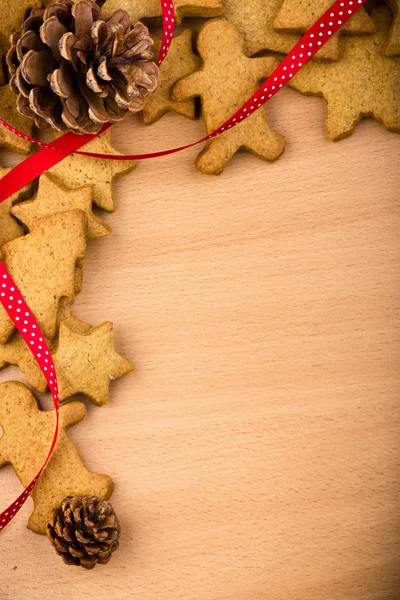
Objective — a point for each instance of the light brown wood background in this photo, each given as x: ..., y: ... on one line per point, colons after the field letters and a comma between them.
x: 256, y: 449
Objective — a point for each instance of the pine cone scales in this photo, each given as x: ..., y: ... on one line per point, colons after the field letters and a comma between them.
x: 72, y: 70
x: 84, y: 531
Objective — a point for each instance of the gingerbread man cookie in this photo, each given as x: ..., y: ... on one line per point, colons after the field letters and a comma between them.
x: 226, y: 80
x: 27, y: 436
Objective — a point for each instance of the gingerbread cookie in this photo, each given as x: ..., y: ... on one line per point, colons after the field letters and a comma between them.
x: 9, y: 114
x: 43, y: 264
x: 179, y: 62
x: 150, y: 9
x: 255, y: 21
x: 393, y: 46
x: 65, y: 315
x: 297, y: 16
x: 226, y: 80
x: 17, y: 353
x: 9, y: 228
x: 87, y: 362
x: 363, y: 83
x: 27, y: 436
x: 53, y: 197
x: 12, y: 15
x: 79, y: 170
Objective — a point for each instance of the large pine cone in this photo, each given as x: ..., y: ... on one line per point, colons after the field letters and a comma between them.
x: 84, y: 531
x: 71, y: 70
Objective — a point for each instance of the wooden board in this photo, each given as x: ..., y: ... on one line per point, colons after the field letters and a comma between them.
x: 255, y: 450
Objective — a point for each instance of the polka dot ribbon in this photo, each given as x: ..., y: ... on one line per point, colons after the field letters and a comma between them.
x: 25, y: 322
x: 52, y: 154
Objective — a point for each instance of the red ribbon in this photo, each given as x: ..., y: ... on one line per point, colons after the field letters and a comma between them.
x: 31, y: 168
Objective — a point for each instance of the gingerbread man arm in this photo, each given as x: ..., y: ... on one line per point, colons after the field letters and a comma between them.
x: 188, y: 87
x: 262, y: 68
x: 72, y: 413
x: 4, y: 454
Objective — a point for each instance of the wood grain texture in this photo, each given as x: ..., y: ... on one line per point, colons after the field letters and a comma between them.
x: 255, y: 450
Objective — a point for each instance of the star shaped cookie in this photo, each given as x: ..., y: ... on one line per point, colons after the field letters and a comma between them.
x: 364, y: 83
x: 179, y: 62
x: 52, y: 197
x: 80, y: 170
x: 86, y: 363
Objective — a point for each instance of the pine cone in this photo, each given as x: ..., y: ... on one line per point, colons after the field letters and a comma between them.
x: 84, y: 531
x: 71, y: 70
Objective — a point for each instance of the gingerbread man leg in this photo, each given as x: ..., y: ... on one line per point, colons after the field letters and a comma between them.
x: 216, y: 155
x: 340, y: 124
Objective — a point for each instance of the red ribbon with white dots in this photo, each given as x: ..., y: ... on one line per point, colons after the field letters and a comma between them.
x: 25, y: 322
x: 51, y: 154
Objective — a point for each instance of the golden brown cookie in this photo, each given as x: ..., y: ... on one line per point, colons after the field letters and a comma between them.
x: 53, y: 197
x: 78, y: 170
x: 9, y: 228
x: 255, y: 21
x: 179, y: 62
x: 65, y: 315
x: 393, y: 46
x: 43, y: 264
x: 17, y: 353
x: 226, y: 80
x: 12, y: 15
x: 364, y: 83
x: 27, y: 436
x: 86, y: 363
x: 150, y: 9
x: 297, y: 16
x: 9, y: 114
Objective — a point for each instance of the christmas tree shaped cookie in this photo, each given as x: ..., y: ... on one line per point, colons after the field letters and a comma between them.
x: 150, y: 9
x: 364, y: 83
x: 226, y: 80
x: 42, y: 265
x: 297, y: 16
x: 53, y: 197
x: 78, y: 170
x: 393, y: 47
x: 27, y: 436
x: 179, y: 62
x: 87, y: 362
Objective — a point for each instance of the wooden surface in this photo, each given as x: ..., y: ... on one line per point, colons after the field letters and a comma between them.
x: 256, y: 449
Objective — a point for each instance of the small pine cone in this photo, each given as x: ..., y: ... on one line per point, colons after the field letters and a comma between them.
x: 84, y: 531
x: 71, y: 70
